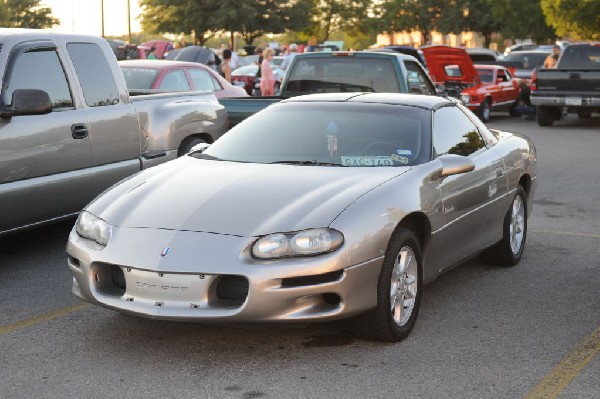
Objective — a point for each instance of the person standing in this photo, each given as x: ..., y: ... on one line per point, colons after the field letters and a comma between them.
x: 552, y: 59
x: 288, y: 59
x: 152, y: 54
x: 225, y: 66
x: 267, y: 80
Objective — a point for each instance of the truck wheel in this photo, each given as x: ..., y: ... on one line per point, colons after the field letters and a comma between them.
x: 187, y: 144
x: 485, y: 110
x: 584, y: 114
x: 545, y: 116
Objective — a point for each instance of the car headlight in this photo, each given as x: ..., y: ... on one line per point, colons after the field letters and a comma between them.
x: 464, y: 98
x: 302, y: 243
x: 93, y: 228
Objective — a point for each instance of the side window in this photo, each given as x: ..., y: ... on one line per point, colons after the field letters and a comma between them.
x: 417, y: 79
x: 40, y: 70
x: 454, y: 133
x: 95, y: 76
x: 175, y: 80
x: 202, y: 80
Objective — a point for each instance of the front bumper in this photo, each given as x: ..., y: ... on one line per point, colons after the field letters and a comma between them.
x: 212, y: 277
x: 566, y: 101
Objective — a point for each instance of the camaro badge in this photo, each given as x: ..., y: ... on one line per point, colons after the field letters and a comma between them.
x: 165, y: 251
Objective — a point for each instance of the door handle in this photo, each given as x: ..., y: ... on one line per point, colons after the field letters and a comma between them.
x: 79, y: 131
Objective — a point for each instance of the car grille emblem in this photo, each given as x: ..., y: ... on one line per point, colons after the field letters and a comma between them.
x: 165, y: 251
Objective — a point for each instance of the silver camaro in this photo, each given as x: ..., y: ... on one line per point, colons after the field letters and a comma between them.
x: 320, y: 207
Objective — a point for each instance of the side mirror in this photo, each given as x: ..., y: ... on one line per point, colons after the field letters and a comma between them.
x: 455, y: 165
x: 200, y: 147
x: 28, y: 102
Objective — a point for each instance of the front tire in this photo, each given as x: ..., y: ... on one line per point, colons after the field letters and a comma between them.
x: 398, y: 292
x: 485, y: 110
x: 584, y: 114
x: 509, y: 250
x: 187, y: 144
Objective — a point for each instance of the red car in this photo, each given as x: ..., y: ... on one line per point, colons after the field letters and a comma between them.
x: 176, y: 76
x: 482, y: 88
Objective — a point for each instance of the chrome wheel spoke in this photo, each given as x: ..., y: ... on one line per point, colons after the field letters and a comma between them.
x: 403, y: 286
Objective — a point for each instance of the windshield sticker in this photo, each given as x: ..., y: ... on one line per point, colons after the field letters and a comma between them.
x: 332, y: 127
x: 332, y: 145
x: 400, y: 159
x: 404, y: 152
x: 367, y: 160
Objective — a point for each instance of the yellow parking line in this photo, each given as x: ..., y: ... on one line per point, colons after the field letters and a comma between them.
x: 566, y: 233
x: 562, y: 375
x: 53, y: 314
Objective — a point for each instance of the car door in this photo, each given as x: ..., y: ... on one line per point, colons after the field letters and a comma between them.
x: 471, y: 201
x: 111, y: 119
x: 44, y: 159
x: 203, y: 80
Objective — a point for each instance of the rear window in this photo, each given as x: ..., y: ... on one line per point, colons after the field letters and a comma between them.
x: 584, y: 57
x: 342, y: 74
x: 528, y: 61
x: 139, y: 78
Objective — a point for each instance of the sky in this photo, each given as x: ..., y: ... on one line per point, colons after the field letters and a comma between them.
x: 84, y: 16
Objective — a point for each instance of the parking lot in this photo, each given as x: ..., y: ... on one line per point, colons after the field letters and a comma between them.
x: 483, y: 331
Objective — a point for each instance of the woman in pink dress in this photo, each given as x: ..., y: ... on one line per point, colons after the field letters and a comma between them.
x: 267, y: 80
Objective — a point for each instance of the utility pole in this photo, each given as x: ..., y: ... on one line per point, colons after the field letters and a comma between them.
x: 102, y: 13
x: 129, y: 21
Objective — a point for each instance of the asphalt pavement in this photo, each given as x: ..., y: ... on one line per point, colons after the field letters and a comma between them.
x: 483, y: 331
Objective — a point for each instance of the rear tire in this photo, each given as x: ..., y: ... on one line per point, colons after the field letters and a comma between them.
x: 485, y: 110
x: 584, y: 114
x: 398, y: 292
x: 545, y: 116
x: 513, y: 112
x: 508, y: 251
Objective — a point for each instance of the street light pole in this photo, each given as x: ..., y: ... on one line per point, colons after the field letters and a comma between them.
x: 129, y: 21
x: 102, y: 13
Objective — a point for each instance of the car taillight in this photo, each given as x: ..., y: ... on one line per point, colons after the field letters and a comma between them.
x: 533, y: 82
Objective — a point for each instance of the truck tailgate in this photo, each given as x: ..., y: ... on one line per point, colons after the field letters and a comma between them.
x: 239, y: 108
x: 569, y: 81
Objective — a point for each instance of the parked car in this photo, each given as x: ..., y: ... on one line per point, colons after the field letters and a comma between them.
x: 528, y: 61
x: 199, y: 54
x: 482, y: 55
x: 246, y: 77
x: 70, y: 129
x: 519, y: 47
x: 482, y: 88
x: 348, y: 212
x: 335, y: 72
x: 418, y: 54
x: 161, y: 47
x: 141, y: 75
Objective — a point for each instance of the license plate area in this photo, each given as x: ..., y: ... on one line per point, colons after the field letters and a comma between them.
x: 575, y: 101
x: 161, y: 287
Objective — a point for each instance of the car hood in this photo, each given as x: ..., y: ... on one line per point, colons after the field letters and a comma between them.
x: 235, y: 198
x: 438, y: 57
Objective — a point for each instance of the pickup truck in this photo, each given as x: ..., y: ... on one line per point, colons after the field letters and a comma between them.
x: 335, y: 72
x: 69, y: 129
x: 573, y: 86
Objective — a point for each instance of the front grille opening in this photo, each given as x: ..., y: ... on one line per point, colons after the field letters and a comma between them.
x: 74, y: 261
x: 311, y: 280
x: 109, y: 279
x: 232, y: 289
x: 331, y: 298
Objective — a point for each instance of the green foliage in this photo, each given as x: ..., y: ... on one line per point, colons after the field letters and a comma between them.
x: 578, y: 19
x: 329, y: 16
x: 479, y: 18
x: 25, y: 14
x: 511, y: 13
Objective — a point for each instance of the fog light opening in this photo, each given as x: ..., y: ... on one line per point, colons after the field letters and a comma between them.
x: 118, y: 278
x: 233, y: 289
x: 332, y: 299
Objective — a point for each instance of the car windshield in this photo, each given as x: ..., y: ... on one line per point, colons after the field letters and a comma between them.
x: 528, y: 60
x: 486, y: 75
x: 335, y: 74
x: 139, y: 78
x: 334, y: 134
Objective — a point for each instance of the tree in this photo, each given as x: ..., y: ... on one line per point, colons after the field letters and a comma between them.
x: 336, y: 15
x: 579, y: 19
x: 511, y: 12
x: 254, y: 19
x: 194, y: 17
x: 25, y: 14
x: 479, y: 18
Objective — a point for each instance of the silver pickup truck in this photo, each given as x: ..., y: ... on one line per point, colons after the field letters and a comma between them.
x: 69, y: 129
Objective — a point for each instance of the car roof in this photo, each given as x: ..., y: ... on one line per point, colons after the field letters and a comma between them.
x: 535, y: 51
x: 360, y: 54
x: 411, y: 100
x: 160, y: 64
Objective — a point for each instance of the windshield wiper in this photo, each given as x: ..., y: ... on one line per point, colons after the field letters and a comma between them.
x: 310, y: 162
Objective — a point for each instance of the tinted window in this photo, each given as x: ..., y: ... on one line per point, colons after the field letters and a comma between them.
x: 175, y: 80
x: 342, y: 134
x: 486, y: 75
x: 95, y: 76
x: 40, y: 70
x: 417, y: 80
x: 202, y: 80
x: 139, y: 78
x: 343, y: 74
x: 454, y: 133
x: 581, y: 57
